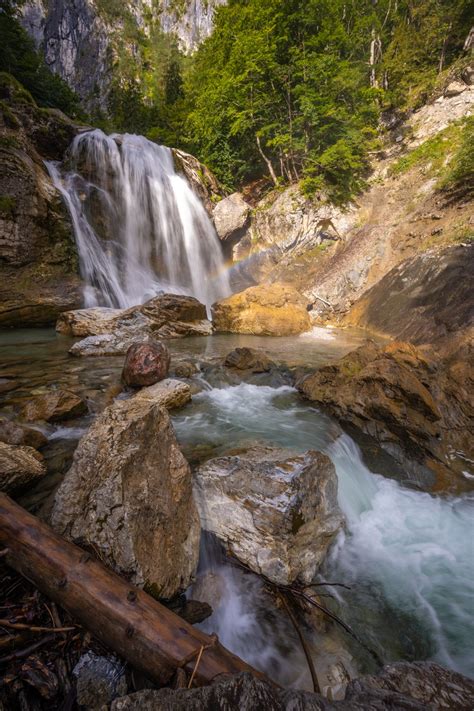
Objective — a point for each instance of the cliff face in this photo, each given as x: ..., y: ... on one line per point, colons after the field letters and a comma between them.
x: 80, y: 39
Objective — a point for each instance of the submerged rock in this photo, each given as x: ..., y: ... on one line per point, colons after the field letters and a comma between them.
x: 266, y: 310
x: 275, y: 509
x: 417, y: 410
x: 54, y: 406
x: 249, y: 359
x: 129, y: 495
x: 146, y: 364
x: 19, y: 466
x: 14, y: 433
x: 99, y: 680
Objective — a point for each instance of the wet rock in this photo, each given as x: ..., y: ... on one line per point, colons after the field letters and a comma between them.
x: 87, y: 322
x: 146, y: 364
x: 275, y: 509
x: 185, y: 369
x: 249, y: 359
x: 231, y: 219
x: 14, y: 433
x: 129, y: 494
x: 19, y: 466
x: 202, y: 181
x: 427, y: 682
x: 416, y: 409
x: 267, y: 310
x: 54, y: 406
x: 99, y: 680
x: 168, y: 393
x: 113, y: 331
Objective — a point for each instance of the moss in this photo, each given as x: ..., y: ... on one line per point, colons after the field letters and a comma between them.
x: 7, y: 206
x: 154, y: 590
x: 9, y: 117
x: 12, y: 89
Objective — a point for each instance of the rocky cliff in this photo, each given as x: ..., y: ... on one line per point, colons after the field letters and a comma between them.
x: 38, y: 261
x: 81, y: 39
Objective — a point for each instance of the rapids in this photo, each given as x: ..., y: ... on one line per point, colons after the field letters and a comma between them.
x: 139, y: 227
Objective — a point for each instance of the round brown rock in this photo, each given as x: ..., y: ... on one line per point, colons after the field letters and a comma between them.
x: 145, y: 364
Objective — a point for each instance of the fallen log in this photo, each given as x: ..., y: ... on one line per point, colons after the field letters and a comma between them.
x: 127, y: 620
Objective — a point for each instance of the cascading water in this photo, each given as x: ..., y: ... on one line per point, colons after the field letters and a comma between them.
x: 139, y: 227
x: 406, y: 554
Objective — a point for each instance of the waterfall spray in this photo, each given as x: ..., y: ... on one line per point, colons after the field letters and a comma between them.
x: 139, y: 227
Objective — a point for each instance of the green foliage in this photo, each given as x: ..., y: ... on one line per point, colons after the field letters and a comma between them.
x: 19, y: 58
x: 433, y: 154
x: 461, y: 169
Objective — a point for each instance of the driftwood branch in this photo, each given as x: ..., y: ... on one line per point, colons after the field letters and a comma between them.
x: 127, y: 620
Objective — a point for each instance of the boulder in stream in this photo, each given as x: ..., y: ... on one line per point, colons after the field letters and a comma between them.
x: 113, y: 331
x: 168, y: 393
x: 146, y: 364
x: 249, y: 359
x: 265, y: 310
x: 129, y: 495
x: 54, y: 406
x: 19, y: 466
x: 14, y: 433
x: 275, y: 509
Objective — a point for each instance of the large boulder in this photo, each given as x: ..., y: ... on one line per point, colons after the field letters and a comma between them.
x: 275, y: 509
x: 231, y: 219
x: 19, y: 466
x: 417, y: 409
x: 54, y: 406
x: 146, y: 364
x: 266, y: 310
x: 113, y: 331
x: 168, y: 393
x: 14, y: 433
x: 128, y: 495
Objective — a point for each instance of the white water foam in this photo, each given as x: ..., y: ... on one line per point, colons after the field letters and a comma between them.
x: 403, y: 549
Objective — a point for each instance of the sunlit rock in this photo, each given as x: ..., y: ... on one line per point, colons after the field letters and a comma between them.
x: 275, y: 509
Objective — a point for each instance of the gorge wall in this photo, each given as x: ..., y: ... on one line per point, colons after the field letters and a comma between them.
x: 81, y: 39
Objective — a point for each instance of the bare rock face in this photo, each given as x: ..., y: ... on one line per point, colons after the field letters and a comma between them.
x: 19, y: 466
x: 37, y: 255
x: 113, y: 331
x: 266, y: 310
x: 54, y: 406
x: 417, y: 409
x: 203, y: 182
x: 231, y: 219
x: 14, y: 433
x: 129, y: 494
x: 249, y: 359
x: 146, y: 364
x: 275, y: 509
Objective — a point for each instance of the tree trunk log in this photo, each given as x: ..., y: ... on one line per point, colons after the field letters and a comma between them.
x: 137, y: 627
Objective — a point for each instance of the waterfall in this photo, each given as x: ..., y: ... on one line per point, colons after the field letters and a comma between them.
x: 139, y: 227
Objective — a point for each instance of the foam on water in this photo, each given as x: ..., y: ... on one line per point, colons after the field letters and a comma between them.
x: 407, y: 554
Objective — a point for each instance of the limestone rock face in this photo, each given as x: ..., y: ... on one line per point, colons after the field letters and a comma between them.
x: 266, y: 310
x: 145, y: 364
x: 249, y: 359
x: 37, y: 256
x: 19, y: 466
x: 231, y: 218
x: 129, y: 494
x: 14, y: 433
x: 275, y: 509
x: 203, y: 182
x: 54, y: 406
x: 416, y: 409
x: 113, y: 331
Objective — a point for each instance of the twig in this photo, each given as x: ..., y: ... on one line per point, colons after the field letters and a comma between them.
x: 32, y: 628
x: 27, y: 651
x: 306, y: 651
x: 196, y: 666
